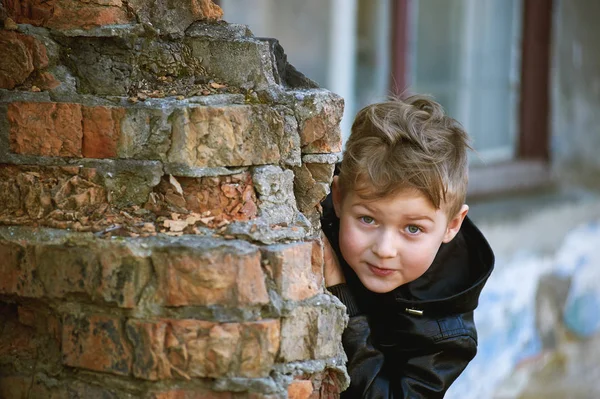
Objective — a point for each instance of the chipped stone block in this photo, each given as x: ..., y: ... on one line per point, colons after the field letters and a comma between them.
x: 234, y: 135
x: 275, y: 188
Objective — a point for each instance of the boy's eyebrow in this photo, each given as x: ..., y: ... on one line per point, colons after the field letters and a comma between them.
x: 363, y: 205
x: 420, y: 217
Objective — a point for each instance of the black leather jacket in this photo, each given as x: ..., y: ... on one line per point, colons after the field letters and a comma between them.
x: 415, y: 341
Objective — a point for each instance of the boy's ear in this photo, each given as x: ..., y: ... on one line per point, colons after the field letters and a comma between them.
x: 336, y: 195
x: 455, y: 223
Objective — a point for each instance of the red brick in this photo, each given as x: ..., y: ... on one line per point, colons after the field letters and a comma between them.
x: 229, y: 198
x: 196, y: 348
x: 27, y: 316
x: 21, y: 55
x: 34, y: 12
x: 10, y: 267
x: 96, y: 342
x: 18, y: 271
x: 67, y: 14
x: 327, y: 384
x: 51, y: 129
x: 300, y: 389
x: 297, y: 268
x: 16, y: 387
x: 206, y: 9
x: 101, y: 131
x: 124, y: 275
x: 46, y: 81
x: 213, y: 275
x: 102, y: 271
x: 178, y: 393
x: 17, y: 63
x: 65, y: 270
x: 34, y: 387
x: 16, y: 339
x: 78, y: 389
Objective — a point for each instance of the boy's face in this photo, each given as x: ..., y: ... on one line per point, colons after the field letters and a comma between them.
x: 391, y: 241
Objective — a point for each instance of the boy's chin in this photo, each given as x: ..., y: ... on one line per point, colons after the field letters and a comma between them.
x: 378, y: 286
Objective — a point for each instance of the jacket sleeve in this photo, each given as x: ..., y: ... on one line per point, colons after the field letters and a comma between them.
x: 427, y: 372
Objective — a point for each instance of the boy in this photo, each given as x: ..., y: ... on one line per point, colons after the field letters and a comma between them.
x: 401, y: 253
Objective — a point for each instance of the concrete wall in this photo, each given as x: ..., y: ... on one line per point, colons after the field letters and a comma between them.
x: 576, y: 86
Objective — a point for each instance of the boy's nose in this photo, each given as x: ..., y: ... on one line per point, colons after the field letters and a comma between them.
x: 385, y: 246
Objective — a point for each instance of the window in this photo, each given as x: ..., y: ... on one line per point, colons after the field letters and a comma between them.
x: 486, y: 62
x: 466, y: 54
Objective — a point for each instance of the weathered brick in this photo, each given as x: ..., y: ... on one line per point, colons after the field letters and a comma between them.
x: 18, y: 271
x: 78, y: 389
x: 36, y: 191
x: 103, y: 271
x: 235, y: 135
x: 210, y: 273
x: 171, y: 17
x: 275, y: 188
x: 101, y: 131
x: 66, y: 14
x: 328, y: 384
x: 300, y: 389
x: 64, y: 129
x: 21, y: 55
x: 124, y: 275
x: 107, y: 272
x: 297, y: 268
x: 41, y: 386
x: 96, y: 342
x: 245, y: 61
x: 321, y: 172
x: 45, y: 81
x: 180, y: 393
x: 52, y: 129
x: 145, y: 133
x: 16, y: 339
x: 196, y: 348
x: 309, y: 191
x: 311, y: 333
x: 42, y: 320
x: 224, y: 198
x: 20, y: 387
x: 319, y: 115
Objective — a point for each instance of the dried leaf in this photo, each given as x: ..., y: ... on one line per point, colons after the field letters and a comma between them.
x: 175, y: 184
x: 175, y: 225
x: 207, y: 220
x: 215, y: 85
x: 192, y: 219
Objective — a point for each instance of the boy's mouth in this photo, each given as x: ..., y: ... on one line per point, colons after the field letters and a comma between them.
x: 379, y: 271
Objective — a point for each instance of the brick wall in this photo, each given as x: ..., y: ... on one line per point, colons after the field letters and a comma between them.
x: 160, y: 180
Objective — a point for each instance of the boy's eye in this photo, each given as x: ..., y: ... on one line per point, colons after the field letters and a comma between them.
x: 412, y: 229
x: 367, y: 219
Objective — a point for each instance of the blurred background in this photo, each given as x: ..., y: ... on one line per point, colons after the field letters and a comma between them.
x: 523, y: 77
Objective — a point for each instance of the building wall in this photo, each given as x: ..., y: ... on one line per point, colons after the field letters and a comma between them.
x: 576, y: 86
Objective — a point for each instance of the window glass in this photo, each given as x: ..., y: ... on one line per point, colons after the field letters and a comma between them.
x: 466, y: 54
